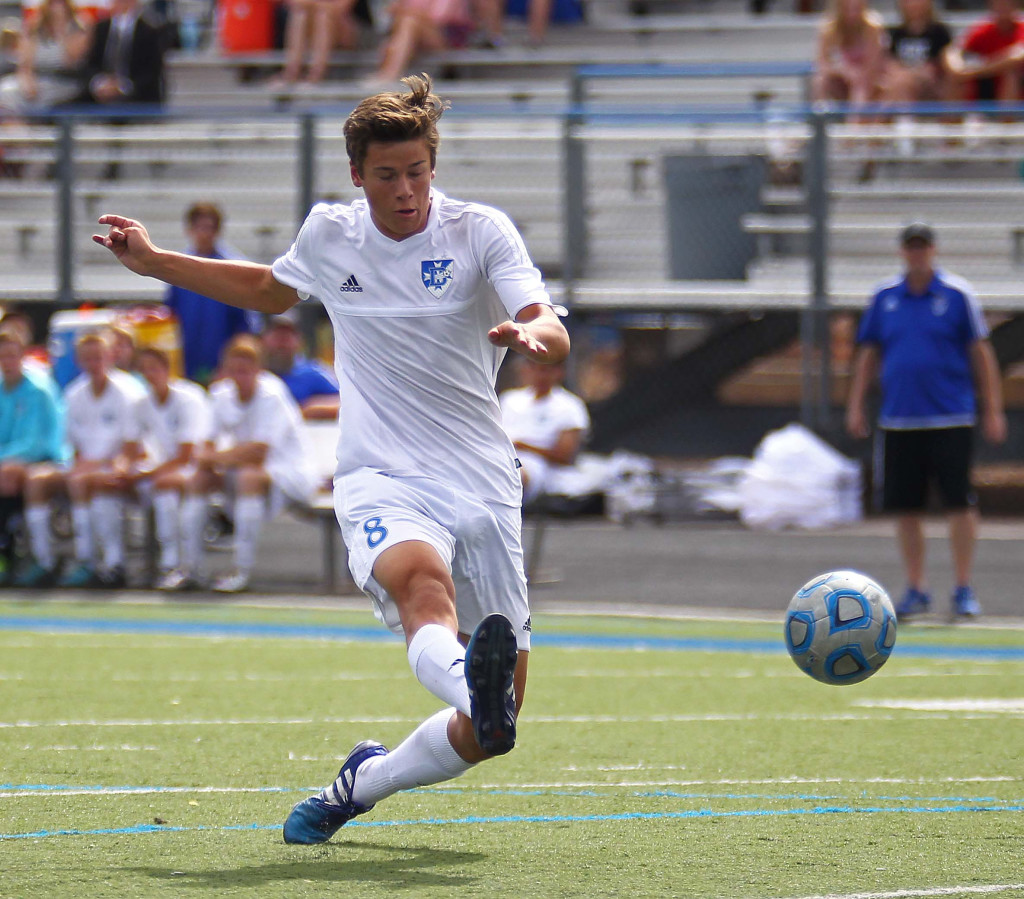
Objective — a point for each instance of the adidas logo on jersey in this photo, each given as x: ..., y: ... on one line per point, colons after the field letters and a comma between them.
x: 351, y: 285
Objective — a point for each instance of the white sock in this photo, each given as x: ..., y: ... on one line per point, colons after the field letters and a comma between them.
x: 438, y: 660
x: 425, y: 757
x: 82, y: 526
x: 37, y: 519
x: 248, y: 524
x: 193, y: 521
x: 165, y: 512
x: 107, y: 511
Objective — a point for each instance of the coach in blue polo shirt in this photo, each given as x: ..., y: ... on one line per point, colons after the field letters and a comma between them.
x: 927, y: 331
x: 311, y: 383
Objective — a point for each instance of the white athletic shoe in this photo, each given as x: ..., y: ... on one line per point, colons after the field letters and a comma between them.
x: 232, y: 582
x: 174, y: 580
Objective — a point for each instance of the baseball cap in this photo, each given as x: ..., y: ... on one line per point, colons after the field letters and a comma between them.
x: 285, y: 320
x: 917, y: 231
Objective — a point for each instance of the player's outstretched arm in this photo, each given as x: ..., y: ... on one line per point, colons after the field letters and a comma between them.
x: 247, y: 285
x: 537, y: 334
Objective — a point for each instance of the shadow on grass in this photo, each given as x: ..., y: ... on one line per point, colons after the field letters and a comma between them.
x: 399, y: 866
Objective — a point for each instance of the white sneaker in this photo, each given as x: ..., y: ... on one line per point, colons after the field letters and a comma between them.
x: 232, y: 582
x: 174, y: 580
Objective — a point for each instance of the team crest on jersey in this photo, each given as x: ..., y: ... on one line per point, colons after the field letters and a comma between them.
x: 939, y: 305
x: 437, y: 275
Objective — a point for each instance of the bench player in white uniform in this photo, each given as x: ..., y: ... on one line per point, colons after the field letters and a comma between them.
x: 547, y: 425
x: 425, y: 294
x: 104, y: 431
x: 176, y: 421
x: 256, y: 453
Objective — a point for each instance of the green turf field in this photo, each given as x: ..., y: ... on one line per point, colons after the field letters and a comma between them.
x: 155, y: 751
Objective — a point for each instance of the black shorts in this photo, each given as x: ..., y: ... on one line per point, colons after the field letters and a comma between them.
x: 912, y: 460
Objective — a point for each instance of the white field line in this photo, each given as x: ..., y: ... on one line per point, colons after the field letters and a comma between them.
x: 945, y: 705
x: 973, y: 890
x: 542, y: 719
x: 135, y: 791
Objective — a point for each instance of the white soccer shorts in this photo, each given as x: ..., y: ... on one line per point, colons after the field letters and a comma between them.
x: 479, y: 542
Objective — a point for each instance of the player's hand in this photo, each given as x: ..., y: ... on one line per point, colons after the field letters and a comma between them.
x: 517, y: 337
x: 129, y: 241
x: 993, y: 426
x: 857, y: 423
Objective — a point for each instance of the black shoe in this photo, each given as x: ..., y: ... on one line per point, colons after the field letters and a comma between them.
x: 112, y: 579
x: 491, y: 658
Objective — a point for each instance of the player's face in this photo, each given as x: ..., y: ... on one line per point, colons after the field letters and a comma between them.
x: 243, y: 372
x: 396, y: 181
x: 93, y: 359
x: 153, y: 371
x: 10, y: 361
x: 203, y: 234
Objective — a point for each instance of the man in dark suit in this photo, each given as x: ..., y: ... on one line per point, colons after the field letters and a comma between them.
x: 125, y: 63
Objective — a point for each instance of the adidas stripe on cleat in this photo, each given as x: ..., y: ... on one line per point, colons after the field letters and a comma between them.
x: 318, y: 818
x: 491, y: 658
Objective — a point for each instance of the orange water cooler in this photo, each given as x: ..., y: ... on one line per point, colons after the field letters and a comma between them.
x: 245, y: 26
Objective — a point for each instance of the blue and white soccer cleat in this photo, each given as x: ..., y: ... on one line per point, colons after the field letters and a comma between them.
x: 491, y: 658
x: 316, y: 820
x: 965, y: 603
x: 914, y: 602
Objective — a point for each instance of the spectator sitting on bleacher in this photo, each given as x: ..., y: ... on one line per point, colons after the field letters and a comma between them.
x: 125, y: 59
x: 316, y: 27
x: 915, y: 67
x: 175, y: 422
x: 312, y: 384
x: 418, y: 26
x: 206, y: 325
x: 547, y: 425
x: 104, y: 430
x: 50, y: 49
x: 261, y: 460
x: 988, y: 62
x: 31, y: 432
x: 850, y: 55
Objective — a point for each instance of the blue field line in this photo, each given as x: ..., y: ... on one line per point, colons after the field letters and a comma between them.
x: 531, y: 819
x: 47, y: 625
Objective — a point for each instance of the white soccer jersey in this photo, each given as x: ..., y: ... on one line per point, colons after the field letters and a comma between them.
x: 98, y: 426
x: 415, y: 368
x: 540, y: 422
x: 184, y: 417
x: 271, y: 417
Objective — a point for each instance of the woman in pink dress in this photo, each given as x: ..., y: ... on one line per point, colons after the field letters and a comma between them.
x: 851, y: 53
x: 421, y: 25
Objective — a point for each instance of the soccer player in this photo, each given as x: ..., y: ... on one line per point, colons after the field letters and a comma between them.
x: 547, y: 425
x: 103, y: 430
x: 427, y: 490
x: 31, y: 432
x: 175, y: 419
x: 256, y: 452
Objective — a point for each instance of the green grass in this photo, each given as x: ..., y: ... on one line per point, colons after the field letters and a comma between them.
x: 671, y: 771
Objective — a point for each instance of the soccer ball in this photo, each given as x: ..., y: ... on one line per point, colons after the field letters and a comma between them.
x: 840, y: 627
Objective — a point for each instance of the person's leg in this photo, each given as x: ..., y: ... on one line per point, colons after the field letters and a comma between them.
x: 295, y: 36
x: 408, y: 32
x: 79, y: 484
x: 41, y: 485
x: 910, y: 530
x: 963, y: 534
x: 538, y: 17
x: 106, y: 514
x: 905, y: 476
x: 194, y: 509
x: 252, y: 485
x: 324, y: 18
x: 12, y: 485
x: 167, y: 493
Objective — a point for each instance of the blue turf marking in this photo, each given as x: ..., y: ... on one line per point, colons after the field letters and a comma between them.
x: 531, y: 819
x: 44, y: 625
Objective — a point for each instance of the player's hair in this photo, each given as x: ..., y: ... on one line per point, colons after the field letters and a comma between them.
x: 244, y: 346
x: 116, y: 331
x: 12, y: 335
x: 90, y: 338
x: 204, y: 210
x: 392, y: 117
x: 154, y: 352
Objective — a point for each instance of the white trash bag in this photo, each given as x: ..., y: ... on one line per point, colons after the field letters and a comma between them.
x: 798, y: 480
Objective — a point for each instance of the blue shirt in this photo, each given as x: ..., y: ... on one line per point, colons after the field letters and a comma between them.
x: 31, y: 423
x: 207, y: 325
x: 308, y: 379
x: 924, y: 341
